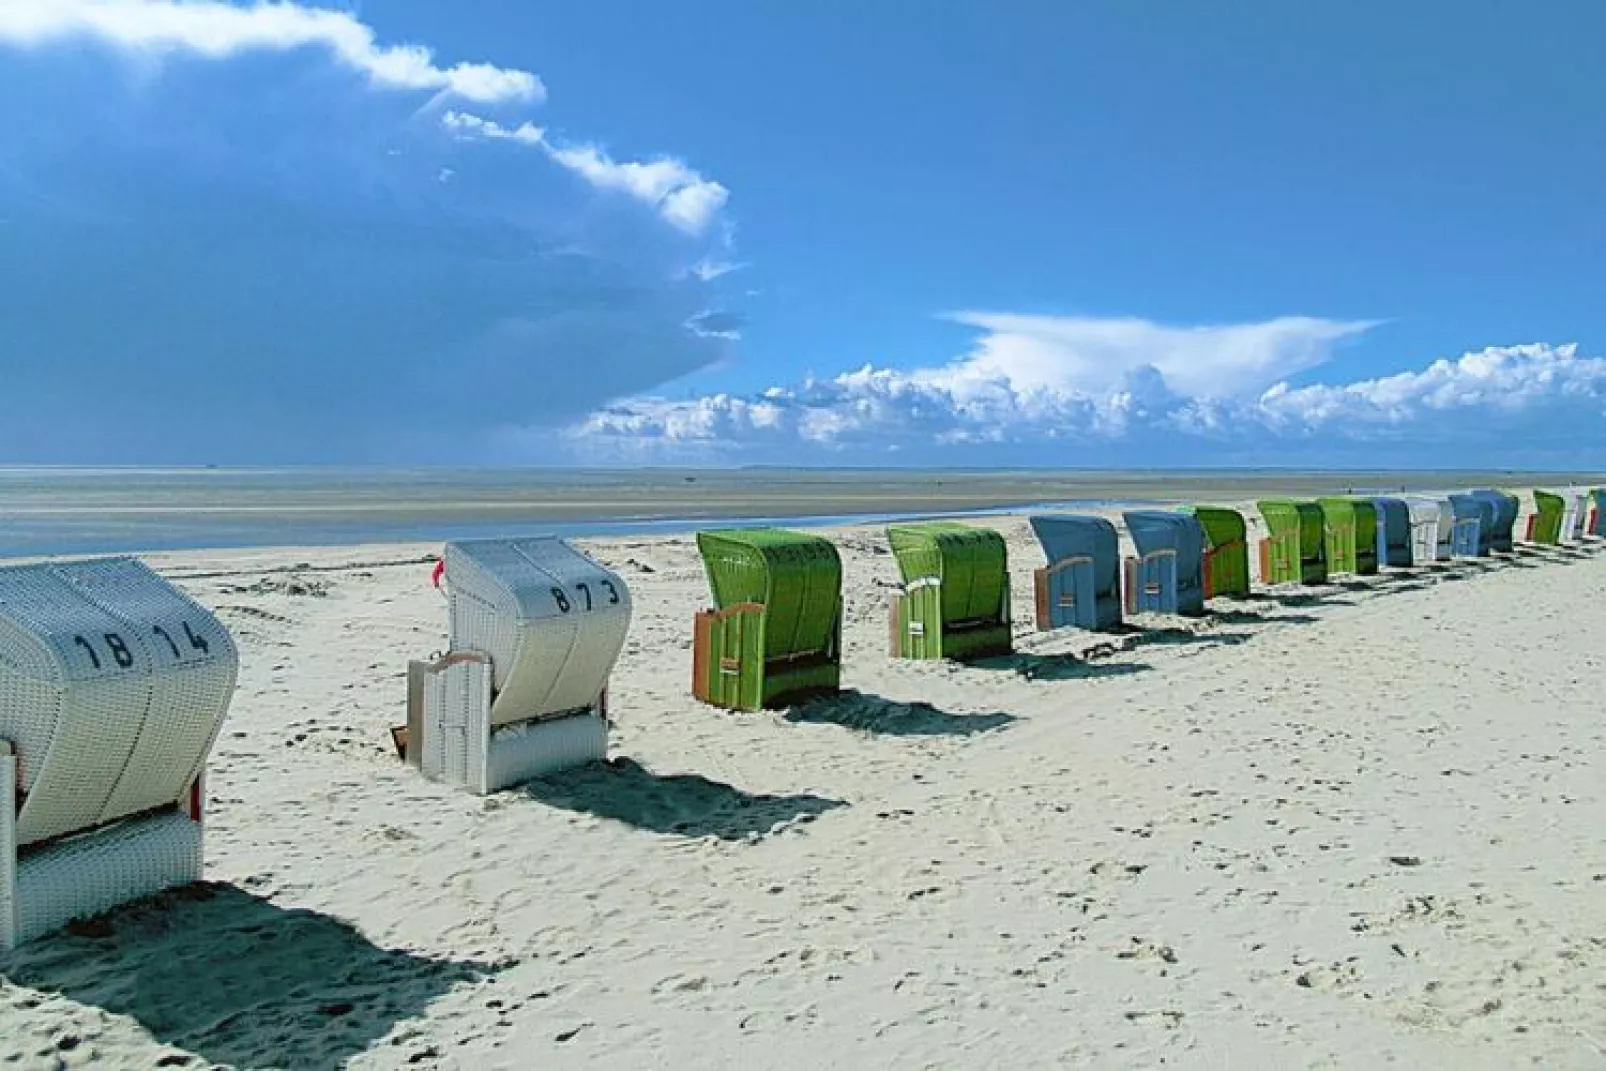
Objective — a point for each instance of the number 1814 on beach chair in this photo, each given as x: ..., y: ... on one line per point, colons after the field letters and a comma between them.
x: 113, y: 686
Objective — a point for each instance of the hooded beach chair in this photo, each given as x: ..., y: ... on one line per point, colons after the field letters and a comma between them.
x: 1394, y: 547
x: 1597, y: 512
x: 775, y: 632
x: 1081, y: 585
x: 1432, y: 528
x: 1474, y: 525
x: 1294, y: 550
x: 1545, y: 523
x: 1576, y: 515
x: 113, y: 686
x: 1351, y: 534
x: 1506, y: 507
x: 1167, y: 576
x: 954, y: 601
x: 1226, y: 553
x: 535, y: 628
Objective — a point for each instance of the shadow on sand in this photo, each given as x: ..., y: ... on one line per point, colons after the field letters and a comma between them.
x: 229, y: 978
x: 1061, y: 667
x: 685, y: 805
x: 853, y: 709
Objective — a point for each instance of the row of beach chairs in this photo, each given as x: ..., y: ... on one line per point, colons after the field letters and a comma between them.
x: 114, y: 684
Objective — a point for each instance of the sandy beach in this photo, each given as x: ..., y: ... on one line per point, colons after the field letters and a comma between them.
x: 1352, y: 826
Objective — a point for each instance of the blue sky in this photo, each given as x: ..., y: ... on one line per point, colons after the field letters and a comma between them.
x: 831, y: 233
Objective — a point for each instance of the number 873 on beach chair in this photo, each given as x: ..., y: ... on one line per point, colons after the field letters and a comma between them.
x: 113, y: 687
x: 535, y: 628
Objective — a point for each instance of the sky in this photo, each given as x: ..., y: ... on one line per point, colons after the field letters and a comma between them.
x: 729, y: 232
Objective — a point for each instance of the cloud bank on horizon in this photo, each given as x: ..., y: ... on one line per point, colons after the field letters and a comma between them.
x: 1052, y: 390
x: 315, y: 244
x: 263, y: 232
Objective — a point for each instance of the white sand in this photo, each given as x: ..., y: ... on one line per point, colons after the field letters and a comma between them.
x: 1351, y: 829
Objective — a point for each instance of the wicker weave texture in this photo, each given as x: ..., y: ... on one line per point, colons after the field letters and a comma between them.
x: 113, y: 686
x: 94, y: 872
x: 552, y: 620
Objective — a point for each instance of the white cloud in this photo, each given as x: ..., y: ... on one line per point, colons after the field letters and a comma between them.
x: 1093, y: 355
x: 1035, y: 387
x: 217, y: 30
x: 681, y: 196
x: 468, y: 126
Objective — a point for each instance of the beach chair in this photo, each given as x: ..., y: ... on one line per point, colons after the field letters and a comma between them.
x: 1474, y: 523
x: 1294, y: 551
x: 954, y: 601
x: 1226, y: 553
x: 774, y: 634
x: 1506, y: 506
x: 1394, y: 537
x: 535, y: 629
x: 1081, y: 585
x: 1167, y: 576
x: 1575, y: 516
x: 1351, y: 535
x: 1597, y: 512
x: 1432, y: 528
x: 1545, y: 523
x: 113, y: 686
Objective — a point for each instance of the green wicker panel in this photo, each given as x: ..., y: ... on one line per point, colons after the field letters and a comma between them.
x: 1227, y: 548
x: 1547, y: 523
x: 1284, y: 517
x: 972, y: 564
x: 796, y: 577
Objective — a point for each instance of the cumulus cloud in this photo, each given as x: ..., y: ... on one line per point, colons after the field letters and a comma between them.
x: 681, y: 196
x: 258, y: 258
x: 216, y: 30
x: 1035, y: 390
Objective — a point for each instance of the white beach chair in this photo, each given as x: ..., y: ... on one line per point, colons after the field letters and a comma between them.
x: 535, y: 629
x: 1575, y: 514
x: 113, y: 686
x: 1432, y: 527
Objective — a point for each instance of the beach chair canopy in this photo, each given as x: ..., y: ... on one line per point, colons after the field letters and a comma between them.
x: 1549, y: 511
x: 1159, y: 531
x: 1069, y: 535
x: 1506, y: 507
x: 971, y: 563
x: 1226, y: 548
x: 113, y: 686
x: 1351, y: 534
x: 1394, y: 545
x: 1432, y: 526
x: 552, y: 621
x: 796, y: 577
x: 1285, y: 515
x: 1477, y: 515
x: 1576, y: 515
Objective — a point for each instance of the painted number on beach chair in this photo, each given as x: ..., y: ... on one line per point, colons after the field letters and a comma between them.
x: 198, y: 643
x: 123, y: 656
x: 561, y: 597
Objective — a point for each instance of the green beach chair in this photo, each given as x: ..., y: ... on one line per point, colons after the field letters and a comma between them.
x: 775, y: 632
x: 1226, y: 557
x: 955, y: 598
x: 1294, y: 552
x: 1545, y: 525
x: 1351, y: 535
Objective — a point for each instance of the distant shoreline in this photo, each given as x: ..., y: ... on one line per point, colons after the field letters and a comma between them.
x: 48, y: 511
